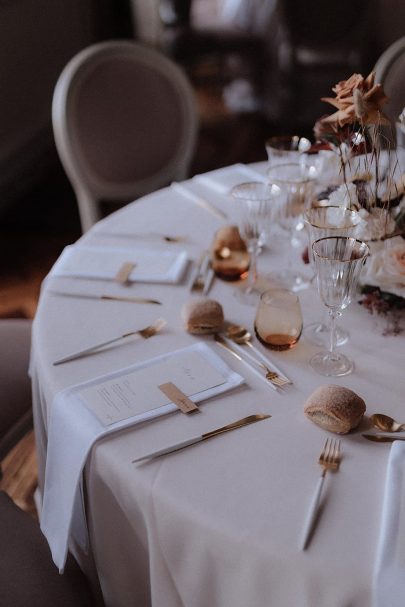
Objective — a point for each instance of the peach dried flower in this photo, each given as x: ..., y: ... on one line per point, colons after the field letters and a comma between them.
x: 357, y: 99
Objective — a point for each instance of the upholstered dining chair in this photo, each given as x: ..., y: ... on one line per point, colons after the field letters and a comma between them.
x: 390, y: 72
x: 125, y: 124
x: 27, y: 574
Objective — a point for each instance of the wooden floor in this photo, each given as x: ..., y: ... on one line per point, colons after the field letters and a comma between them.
x: 20, y: 474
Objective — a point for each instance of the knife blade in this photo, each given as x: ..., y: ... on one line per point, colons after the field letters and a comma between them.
x: 142, y: 300
x: 250, y: 419
x: 382, y: 438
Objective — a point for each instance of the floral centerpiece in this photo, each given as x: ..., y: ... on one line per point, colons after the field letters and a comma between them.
x: 372, y: 182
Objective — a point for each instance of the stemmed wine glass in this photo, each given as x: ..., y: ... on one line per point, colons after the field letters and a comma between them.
x: 296, y: 185
x: 254, y: 204
x: 338, y: 262
x: 324, y: 222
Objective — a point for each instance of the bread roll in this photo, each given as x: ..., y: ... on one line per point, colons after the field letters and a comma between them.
x: 335, y: 408
x: 202, y: 316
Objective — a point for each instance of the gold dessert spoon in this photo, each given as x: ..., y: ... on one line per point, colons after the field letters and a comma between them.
x: 238, y: 332
x: 386, y: 423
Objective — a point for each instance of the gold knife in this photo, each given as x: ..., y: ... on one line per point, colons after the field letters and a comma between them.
x: 251, y: 419
x: 141, y: 300
x: 382, y: 438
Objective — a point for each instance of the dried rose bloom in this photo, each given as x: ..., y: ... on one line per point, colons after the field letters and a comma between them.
x: 357, y: 99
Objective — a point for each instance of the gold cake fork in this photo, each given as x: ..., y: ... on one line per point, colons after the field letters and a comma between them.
x: 146, y: 332
x: 329, y: 460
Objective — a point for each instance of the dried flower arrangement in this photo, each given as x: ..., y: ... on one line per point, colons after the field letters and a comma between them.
x: 373, y: 183
x: 370, y: 173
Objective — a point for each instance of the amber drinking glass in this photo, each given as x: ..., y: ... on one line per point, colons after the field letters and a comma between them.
x: 278, y: 322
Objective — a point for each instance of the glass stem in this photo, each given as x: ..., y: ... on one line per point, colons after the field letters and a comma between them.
x: 332, y: 343
x: 252, y: 274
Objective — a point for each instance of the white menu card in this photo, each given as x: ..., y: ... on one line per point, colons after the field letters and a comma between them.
x: 136, y: 392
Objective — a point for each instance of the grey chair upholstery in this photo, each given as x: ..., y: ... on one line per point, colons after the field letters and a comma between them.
x: 125, y: 124
x: 390, y: 72
x: 28, y: 576
x: 15, y: 385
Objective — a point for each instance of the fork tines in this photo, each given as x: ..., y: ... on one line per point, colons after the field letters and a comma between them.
x: 330, y: 456
x: 276, y: 379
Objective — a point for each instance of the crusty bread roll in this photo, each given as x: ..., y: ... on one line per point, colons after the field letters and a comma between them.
x: 335, y: 408
x: 202, y: 316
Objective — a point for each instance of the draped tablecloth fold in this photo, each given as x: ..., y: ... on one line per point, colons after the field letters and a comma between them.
x: 70, y: 441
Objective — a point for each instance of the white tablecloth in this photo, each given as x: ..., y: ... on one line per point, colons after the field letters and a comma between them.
x: 218, y: 524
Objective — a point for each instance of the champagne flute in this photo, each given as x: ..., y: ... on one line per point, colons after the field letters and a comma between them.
x: 338, y: 262
x: 254, y: 202
x: 323, y: 222
x: 296, y: 183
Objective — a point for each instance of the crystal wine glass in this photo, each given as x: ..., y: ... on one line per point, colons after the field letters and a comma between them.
x: 254, y: 204
x: 324, y: 222
x: 285, y: 149
x: 296, y: 188
x: 338, y: 262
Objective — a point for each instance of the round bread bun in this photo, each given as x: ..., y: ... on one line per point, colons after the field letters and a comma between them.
x: 335, y: 408
x: 202, y: 316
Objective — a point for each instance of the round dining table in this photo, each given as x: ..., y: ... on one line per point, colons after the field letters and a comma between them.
x: 218, y: 524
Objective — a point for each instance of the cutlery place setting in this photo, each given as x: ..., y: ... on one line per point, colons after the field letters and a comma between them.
x: 388, y: 425
x: 105, y: 297
x: 245, y: 421
x: 272, y: 378
x: 166, y: 238
x: 203, y: 275
x: 146, y: 333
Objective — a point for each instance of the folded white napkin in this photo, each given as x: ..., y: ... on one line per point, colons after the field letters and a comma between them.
x: 389, y: 574
x: 73, y: 429
x: 223, y: 180
x: 84, y: 261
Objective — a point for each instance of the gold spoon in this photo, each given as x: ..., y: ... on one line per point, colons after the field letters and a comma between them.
x: 386, y: 423
x: 239, y: 334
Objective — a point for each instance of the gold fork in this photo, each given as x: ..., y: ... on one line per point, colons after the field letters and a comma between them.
x: 241, y: 336
x: 275, y: 378
x: 271, y: 376
x: 146, y: 332
x: 329, y: 460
